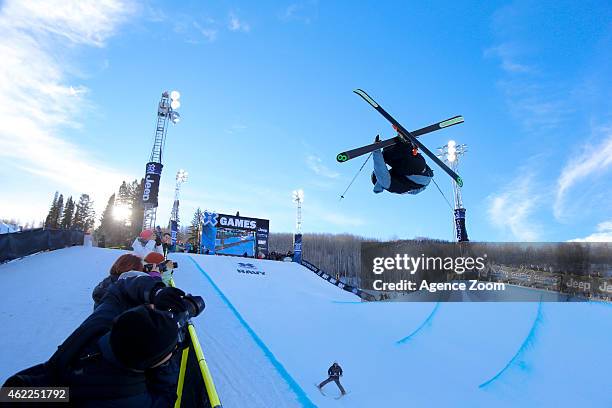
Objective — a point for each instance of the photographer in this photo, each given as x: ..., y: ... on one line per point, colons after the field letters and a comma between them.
x: 166, y: 244
x: 124, y: 263
x: 121, y: 355
x: 156, y: 266
x: 147, y: 242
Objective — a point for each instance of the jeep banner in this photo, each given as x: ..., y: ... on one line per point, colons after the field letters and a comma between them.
x: 460, y: 231
x: 173, y: 231
x: 297, y: 248
x: 151, y: 184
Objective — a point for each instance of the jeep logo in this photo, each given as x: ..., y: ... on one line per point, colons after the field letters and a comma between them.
x: 147, y: 188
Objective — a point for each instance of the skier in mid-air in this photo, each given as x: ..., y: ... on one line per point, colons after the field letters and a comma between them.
x: 334, y: 372
x: 409, y: 173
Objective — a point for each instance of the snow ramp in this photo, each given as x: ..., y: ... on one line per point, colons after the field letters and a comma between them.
x: 271, y: 329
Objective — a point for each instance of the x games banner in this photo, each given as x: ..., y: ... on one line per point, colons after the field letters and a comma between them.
x: 217, y: 225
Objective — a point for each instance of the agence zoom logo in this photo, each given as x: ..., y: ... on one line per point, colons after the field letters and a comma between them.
x: 248, y: 268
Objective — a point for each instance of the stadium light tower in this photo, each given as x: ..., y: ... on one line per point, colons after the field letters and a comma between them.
x: 166, y: 112
x: 181, y: 177
x: 450, y: 153
x: 298, y: 199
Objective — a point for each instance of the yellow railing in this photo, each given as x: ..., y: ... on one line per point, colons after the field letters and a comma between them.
x: 213, y: 397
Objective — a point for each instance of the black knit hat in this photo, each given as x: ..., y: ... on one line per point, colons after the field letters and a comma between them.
x: 141, y: 337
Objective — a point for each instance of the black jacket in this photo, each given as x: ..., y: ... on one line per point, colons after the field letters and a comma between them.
x: 334, y: 371
x: 85, y: 362
x: 101, y: 289
x: 403, y: 164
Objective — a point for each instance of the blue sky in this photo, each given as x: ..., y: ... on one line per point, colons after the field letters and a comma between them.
x: 267, y: 104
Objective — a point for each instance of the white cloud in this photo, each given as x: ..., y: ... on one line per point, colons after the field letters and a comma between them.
x: 508, y: 55
x: 209, y: 33
x: 38, y: 100
x: 315, y: 164
x: 236, y: 128
x: 510, y: 210
x: 304, y: 11
x: 235, y: 24
x: 534, y: 99
x: 584, y: 167
x: 603, y: 234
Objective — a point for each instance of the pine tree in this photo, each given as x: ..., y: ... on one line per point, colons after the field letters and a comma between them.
x: 123, y: 198
x: 84, y: 214
x: 108, y: 224
x: 49, y: 219
x: 136, y: 191
x: 196, y: 227
x: 59, y: 212
x: 66, y: 221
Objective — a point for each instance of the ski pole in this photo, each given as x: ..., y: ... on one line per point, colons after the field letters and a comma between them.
x: 353, y: 180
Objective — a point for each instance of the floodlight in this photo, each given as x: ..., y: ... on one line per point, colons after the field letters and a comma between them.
x: 298, y: 195
x: 175, y: 117
x: 451, y: 157
x: 175, y: 95
x: 181, y: 176
x: 451, y: 143
x: 175, y: 104
x: 452, y: 150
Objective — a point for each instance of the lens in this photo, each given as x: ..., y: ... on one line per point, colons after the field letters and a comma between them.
x: 195, y: 305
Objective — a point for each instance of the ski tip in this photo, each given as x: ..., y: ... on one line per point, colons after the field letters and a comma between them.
x: 342, y: 157
x: 452, y: 121
x: 365, y: 96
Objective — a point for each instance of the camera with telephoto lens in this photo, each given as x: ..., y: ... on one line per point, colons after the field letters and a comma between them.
x: 163, y: 267
x: 194, y: 305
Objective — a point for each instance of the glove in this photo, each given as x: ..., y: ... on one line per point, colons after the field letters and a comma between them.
x: 169, y: 299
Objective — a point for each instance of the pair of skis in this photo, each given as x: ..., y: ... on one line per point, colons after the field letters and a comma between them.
x: 405, y: 135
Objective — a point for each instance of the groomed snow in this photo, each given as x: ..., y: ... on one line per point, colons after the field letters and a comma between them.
x: 269, y: 338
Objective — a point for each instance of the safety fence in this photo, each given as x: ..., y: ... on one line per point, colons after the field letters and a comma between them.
x: 19, y: 244
x: 363, y: 295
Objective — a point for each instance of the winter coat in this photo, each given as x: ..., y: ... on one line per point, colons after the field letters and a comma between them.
x: 85, y: 362
x: 334, y: 371
x: 101, y: 289
x: 143, y: 249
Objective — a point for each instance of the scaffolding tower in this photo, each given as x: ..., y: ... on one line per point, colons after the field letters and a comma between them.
x: 450, y: 153
x: 166, y: 112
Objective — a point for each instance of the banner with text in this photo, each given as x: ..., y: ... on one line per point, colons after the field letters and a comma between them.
x: 430, y: 270
x: 234, y: 235
x: 151, y: 184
